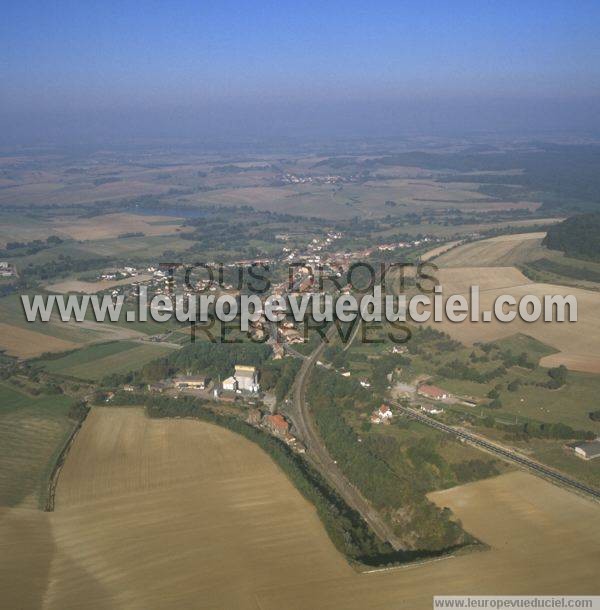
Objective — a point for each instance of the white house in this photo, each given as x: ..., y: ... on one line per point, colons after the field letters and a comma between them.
x: 383, y: 415
x: 431, y: 410
x: 588, y: 450
x: 230, y: 384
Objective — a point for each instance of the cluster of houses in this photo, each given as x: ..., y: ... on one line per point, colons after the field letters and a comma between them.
x: 119, y: 274
x: 288, y: 178
x: 384, y: 414
x: 400, y: 245
x: 6, y: 269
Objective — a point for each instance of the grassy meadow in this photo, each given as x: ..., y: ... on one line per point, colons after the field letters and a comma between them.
x: 33, y: 430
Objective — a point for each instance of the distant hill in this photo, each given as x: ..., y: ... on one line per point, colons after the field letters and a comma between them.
x: 577, y: 236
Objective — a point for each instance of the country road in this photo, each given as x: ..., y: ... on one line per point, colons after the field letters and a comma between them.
x: 501, y: 451
x: 319, y: 457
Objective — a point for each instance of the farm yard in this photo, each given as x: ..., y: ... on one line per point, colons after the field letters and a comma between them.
x: 176, y: 486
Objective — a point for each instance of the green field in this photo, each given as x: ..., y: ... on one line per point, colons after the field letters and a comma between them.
x: 11, y: 312
x: 554, y: 267
x: 33, y: 430
x: 136, y: 249
x: 96, y: 361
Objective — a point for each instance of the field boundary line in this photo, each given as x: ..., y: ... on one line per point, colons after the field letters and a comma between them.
x: 406, y: 566
x: 60, y: 460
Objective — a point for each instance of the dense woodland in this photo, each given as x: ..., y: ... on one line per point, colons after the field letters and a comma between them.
x: 393, y: 477
x: 578, y: 236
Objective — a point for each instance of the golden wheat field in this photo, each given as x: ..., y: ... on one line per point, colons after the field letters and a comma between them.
x: 24, y: 343
x: 499, y: 251
x: 160, y: 514
x: 577, y: 342
x: 480, y: 263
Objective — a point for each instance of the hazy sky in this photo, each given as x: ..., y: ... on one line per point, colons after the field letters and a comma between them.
x: 65, y: 64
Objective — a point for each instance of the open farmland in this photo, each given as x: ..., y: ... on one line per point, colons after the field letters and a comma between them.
x: 24, y: 343
x: 93, y: 287
x: 108, y: 226
x: 15, y: 227
x: 30, y: 339
x: 224, y: 528
x: 526, y: 252
x: 577, y: 342
x: 32, y: 432
x: 95, y: 361
x: 479, y: 263
x: 495, y: 252
x: 50, y: 189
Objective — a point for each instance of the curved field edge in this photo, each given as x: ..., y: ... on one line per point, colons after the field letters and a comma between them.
x: 345, y: 527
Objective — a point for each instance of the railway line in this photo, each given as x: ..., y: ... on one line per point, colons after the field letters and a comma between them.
x: 299, y: 413
x: 502, y: 452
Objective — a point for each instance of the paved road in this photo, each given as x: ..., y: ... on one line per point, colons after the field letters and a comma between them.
x: 503, y: 452
x: 318, y: 455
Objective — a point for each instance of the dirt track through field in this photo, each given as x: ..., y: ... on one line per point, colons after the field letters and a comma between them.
x: 160, y: 514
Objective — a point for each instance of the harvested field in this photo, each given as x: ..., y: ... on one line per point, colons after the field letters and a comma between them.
x: 182, y: 514
x: 458, y: 280
x: 59, y: 193
x: 436, y: 252
x: 576, y: 342
x: 23, y: 343
x: 73, y: 334
x: 495, y: 252
x: 93, y: 287
x: 109, y: 226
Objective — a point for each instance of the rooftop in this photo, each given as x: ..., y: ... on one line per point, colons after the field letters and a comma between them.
x: 432, y: 390
x: 278, y: 422
x: 590, y: 448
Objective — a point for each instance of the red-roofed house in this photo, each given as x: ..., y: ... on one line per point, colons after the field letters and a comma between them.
x: 432, y: 391
x: 383, y: 415
x: 384, y: 412
x: 277, y: 424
